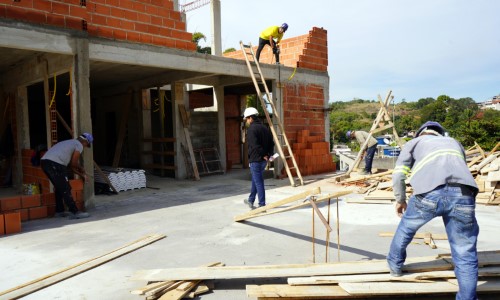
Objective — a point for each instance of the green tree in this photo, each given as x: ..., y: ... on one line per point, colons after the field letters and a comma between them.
x: 229, y: 50
x: 197, y: 37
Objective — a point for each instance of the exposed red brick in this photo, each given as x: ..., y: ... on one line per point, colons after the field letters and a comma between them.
x: 2, y: 225
x: 38, y: 212
x: 30, y: 201
x: 10, y: 203
x: 12, y: 222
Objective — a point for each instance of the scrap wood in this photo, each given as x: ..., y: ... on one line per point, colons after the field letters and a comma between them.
x: 380, y: 195
x: 365, y: 177
x: 200, y: 289
x: 298, y: 292
x: 157, y: 289
x: 363, y: 201
x: 300, y: 196
x: 55, y: 277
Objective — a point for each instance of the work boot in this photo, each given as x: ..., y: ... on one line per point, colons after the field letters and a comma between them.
x: 61, y: 214
x: 79, y: 215
x: 250, y: 205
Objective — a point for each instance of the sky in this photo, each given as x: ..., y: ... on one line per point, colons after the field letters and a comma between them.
x: 417, y: 49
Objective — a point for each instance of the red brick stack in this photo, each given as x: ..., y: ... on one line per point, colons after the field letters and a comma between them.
x: 10, y: 223
x: 312, y: 154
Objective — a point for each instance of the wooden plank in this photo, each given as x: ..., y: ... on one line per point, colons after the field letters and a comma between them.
x: 435, y: 236
x: 415, y: 264
x: 152, y: 287
x: 181, y: 291
x: 284, y: 290
x: 252, y: 213
x: 365, y: 177
x: 55, y: 277
x: 185, y: 124
x: 200, y: 289
x: 363, y: 201
x: 405, y: 288
x: 303, y: 204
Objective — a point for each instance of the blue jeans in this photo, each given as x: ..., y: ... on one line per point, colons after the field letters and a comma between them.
x: 257, y: 170
x: 370, y: 153
x: 456, y: 205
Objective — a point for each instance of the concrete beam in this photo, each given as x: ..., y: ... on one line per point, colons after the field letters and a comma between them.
x: 35, y: 38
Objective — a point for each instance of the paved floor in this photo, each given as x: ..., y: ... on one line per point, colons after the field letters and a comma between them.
x: 197, y: 218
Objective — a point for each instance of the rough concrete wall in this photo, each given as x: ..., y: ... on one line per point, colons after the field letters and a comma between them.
x: 233, y: 129
x: 203, y: 129
x: 142, y: 21
x: 309, y: 51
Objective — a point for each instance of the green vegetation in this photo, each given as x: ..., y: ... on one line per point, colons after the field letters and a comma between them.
x: 461, y: 117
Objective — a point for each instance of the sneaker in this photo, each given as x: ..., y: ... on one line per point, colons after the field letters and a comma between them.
x: 250, y: 205
x: 365, y: 172
x: 79, y: 215
x: 61, y: 214
x: 260, y: 206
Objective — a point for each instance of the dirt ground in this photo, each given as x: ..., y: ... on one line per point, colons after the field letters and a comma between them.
x: 197, y: 218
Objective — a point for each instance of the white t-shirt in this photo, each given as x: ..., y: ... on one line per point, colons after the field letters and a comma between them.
x: 62, y: 152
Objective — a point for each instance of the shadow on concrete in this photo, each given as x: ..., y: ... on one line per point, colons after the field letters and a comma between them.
x: 371, y: 255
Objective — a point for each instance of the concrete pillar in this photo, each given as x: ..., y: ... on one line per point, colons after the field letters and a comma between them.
x: 326, y: 95
x: 180, y: 97
x: 221, y: 123
x: 216, y: 28
x: 277, y: 94
x: 23, y: 133
x: 145, y: 130
x: 82, y: 121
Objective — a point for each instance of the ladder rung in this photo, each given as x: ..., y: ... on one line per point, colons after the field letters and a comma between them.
x: 246, y: 46
x: 291, y: 168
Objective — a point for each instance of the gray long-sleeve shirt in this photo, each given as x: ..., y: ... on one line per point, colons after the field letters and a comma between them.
x: 433, y: 161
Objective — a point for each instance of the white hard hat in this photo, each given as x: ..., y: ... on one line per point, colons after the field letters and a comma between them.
x: 250, y: 111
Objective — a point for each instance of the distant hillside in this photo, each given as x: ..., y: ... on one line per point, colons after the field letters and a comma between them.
x: 461, y: 117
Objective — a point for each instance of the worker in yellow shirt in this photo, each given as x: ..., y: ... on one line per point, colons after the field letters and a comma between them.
x: 268, y: 36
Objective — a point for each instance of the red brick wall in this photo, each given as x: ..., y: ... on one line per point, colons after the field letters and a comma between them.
x: 303, y: 109
x: 142, y: 21
x: 309, y: 51
x: 233, y: 129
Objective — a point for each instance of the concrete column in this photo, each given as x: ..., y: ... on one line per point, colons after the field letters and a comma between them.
x: 180, y: 97
x: 221, y: 123
x: 326, y: 95
x: 23, y: 133
x: 216, y: 28
x: 81, y: 110
x: 277, y: 94
x: 145, y: 130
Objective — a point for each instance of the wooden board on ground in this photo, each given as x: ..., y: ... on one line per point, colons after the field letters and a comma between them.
x: 253, y: 213
x: 402, y: 288
x: 301, y: 292
x: 363, y: 201
x: 52, y: 278
x: 493, y: 271
x: 380, y: 195
x: 415, y: 264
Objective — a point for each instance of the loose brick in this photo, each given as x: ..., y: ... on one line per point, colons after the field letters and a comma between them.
x: 25, y: 216
x: 38, y: 212
x: 12, y: 222
x: 2, y: 225
x: 30, y: 201
x: 10, y: 203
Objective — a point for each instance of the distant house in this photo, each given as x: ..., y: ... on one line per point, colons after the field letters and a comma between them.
x: 493, y: 103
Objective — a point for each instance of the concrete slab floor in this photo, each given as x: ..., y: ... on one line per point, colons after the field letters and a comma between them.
x: 197, y: 218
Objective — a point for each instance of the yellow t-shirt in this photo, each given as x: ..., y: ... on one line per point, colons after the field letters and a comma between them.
x: 272, y: 31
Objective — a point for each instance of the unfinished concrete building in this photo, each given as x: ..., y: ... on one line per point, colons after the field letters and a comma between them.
x: 122, y: 70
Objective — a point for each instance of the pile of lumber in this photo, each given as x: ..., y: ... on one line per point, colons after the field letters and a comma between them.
x: 484, y: 167
x: 176, y: 289
x: 422, y: 276
x: 486, y: 171
x: 123, y: 179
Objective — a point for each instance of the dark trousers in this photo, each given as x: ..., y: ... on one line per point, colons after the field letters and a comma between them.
x: 370, y: 153
x: 57, y: 174
x: 262, y: 43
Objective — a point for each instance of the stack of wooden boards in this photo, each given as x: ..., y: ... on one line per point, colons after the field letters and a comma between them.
x: 486, y: 170
x: 176, y: 289
x: 485, y: 167
x: 422, y: 276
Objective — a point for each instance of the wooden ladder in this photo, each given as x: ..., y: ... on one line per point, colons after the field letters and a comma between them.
x: 280, y: 139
